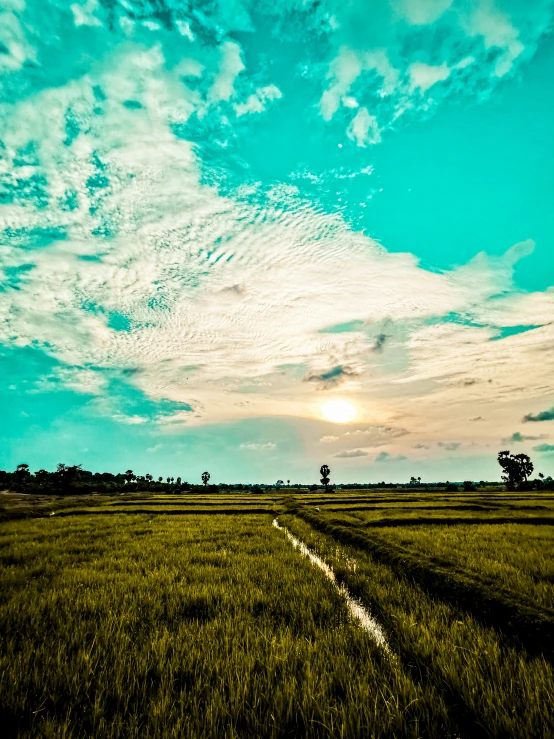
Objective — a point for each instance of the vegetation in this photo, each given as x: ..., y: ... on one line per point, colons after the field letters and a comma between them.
x: 157, y: 614
x: 467, y: 612
x: 325, y: 472
x: 149, y: 627
x: 516, y: 468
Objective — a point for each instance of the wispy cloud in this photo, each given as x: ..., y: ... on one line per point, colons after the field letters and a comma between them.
x: 122, y: 256
x: 542, y: 416
x: 331, y: 378
x: 386, y: 457
x: 385, y: 64
x: 258, y: 446
x: 518, y: 437
x: 351, y: 453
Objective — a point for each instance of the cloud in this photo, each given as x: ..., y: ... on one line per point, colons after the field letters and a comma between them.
x: 544, y: 448
x: 386, y: 457
x: 331, y: 378
x: 154, y: 449
x: 423, y: 76
x: 257, y: 102
x: 131, y: 420
x: 421, y: 12
x: 329, y: 439
x: 377, y: 435
x: 258, y: 447
x: 517, y: 437
x: 351, y: 453
x: 450, y: 446
x: 230, y: 66
x: 380, y: 341
x: 364, y: 128
x: 123, y: 255
x: 390, y: 62
x: 542, y: 416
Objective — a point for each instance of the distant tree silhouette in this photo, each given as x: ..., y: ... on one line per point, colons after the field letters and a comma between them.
x: 68, y: 475
x: 22, y: 476
x: 279, y: 483
x: 516, y: 468
x: 205, y: 477
x: 288, y: 482
x: 129, y: 476
x: 41, y: 476
x: 325, y: 472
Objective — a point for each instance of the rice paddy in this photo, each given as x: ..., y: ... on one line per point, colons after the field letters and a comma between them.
x: 195, y: 616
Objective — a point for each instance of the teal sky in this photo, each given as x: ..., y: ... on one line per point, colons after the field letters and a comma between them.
x: 216, y: 219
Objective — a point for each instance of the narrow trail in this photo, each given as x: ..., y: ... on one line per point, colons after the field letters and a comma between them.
x: 366, y: 621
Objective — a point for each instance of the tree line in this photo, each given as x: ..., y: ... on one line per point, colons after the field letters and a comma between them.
x: 73, y: 479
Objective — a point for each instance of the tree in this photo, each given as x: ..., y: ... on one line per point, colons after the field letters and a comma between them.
x: 129, y: 476
x: 41, y: 476
x: 516, y: 468
x: 205, y: 477
x: 288, y: 483
x: 325, y: 472
x: 68, y: 475
x: 279, y: 483
x: 22, y: 476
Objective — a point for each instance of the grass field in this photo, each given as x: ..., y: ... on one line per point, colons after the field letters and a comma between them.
x: 193, y: 616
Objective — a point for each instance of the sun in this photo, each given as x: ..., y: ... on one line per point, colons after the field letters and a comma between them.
x: 338, y: 411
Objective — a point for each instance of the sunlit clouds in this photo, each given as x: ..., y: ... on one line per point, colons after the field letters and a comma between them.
x: 150, y: 252
x: 338, y: 411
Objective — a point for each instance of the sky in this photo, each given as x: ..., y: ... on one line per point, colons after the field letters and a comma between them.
x: 256, y: 237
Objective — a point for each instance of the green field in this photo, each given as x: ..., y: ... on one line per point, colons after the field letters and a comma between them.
x: 193, y: 616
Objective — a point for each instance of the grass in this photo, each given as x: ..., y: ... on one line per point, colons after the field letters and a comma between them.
x: 122, y: 617
x: 186, y: 628
x: 491, y: 688
x: 516, y: 558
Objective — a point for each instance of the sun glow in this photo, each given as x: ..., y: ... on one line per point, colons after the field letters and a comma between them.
x: 338, y: 411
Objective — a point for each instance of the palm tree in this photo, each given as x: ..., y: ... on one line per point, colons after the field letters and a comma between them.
x: 325, y: 472
x: 205, y: 477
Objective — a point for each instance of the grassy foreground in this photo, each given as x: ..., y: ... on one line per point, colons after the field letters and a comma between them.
x: 184, y: 616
